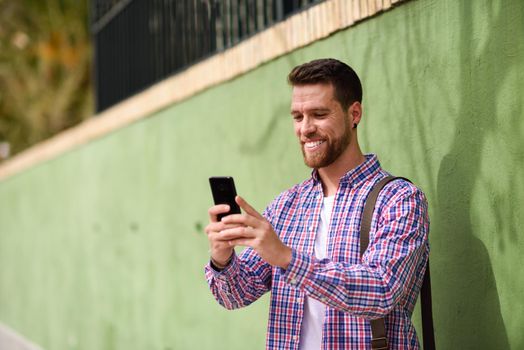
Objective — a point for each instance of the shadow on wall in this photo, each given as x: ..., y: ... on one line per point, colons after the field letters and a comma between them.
x: 469, y: 299
x: 466, y: 300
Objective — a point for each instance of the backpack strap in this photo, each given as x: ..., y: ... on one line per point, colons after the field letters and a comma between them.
x: 379, y: 339
x: 426, y: 309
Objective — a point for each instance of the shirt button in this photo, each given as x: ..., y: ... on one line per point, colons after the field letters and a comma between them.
x: 299, y: 300
x: 295, y: 338
x: 323, y: 299
x: 293, y: 281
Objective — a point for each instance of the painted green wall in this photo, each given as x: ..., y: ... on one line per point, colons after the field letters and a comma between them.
x: 102, y: 248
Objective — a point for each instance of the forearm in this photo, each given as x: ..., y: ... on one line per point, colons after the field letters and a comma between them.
x: 364, y: 290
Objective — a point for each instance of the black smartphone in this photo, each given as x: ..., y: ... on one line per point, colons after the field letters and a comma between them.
x: 224, y: 192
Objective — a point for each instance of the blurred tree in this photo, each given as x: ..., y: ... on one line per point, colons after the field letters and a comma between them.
x: 45, y: 78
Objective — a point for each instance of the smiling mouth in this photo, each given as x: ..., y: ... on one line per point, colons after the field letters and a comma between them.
x: 313, y: 144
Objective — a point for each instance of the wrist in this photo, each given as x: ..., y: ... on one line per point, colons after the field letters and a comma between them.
x: 286, y: 258
x: 220, y: 265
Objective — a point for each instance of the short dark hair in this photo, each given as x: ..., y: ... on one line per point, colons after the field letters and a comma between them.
x: 329, y: 70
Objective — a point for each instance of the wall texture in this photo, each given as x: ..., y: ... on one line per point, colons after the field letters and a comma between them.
x: 102, y: 247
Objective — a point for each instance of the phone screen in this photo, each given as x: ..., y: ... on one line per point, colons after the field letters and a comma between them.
x: 224, y: 192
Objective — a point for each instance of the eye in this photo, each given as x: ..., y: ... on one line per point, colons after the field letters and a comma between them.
x: 297, y: 117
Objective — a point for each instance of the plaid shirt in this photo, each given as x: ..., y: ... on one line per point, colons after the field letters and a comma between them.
x: 385, y: 283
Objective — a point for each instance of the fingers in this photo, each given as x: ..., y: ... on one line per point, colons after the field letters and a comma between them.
x: 218, y: 226
x: 235, y: 229
x: 217, y: 209
x: 247, y: 208
x: 241, y: 219
x: 220, y: 246
x: 242, y: 242
x: 236, y: 232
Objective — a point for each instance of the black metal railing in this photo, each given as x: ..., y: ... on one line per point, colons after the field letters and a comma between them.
x: 139, y: 42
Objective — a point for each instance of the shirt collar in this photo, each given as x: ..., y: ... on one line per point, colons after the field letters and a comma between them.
x: 358, y: 174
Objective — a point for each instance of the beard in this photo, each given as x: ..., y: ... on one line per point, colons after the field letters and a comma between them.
x: 331, y: 152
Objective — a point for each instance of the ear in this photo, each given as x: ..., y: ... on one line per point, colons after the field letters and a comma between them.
x: 355, y: 113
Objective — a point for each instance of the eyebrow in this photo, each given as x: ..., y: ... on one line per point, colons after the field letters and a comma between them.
x: 318, y: 109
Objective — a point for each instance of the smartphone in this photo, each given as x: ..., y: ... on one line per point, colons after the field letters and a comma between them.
x: 224, y: 192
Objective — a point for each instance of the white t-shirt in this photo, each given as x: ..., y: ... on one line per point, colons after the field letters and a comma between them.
x: 314, y: 311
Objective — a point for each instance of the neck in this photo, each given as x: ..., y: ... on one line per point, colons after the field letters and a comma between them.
x: 330, y: 175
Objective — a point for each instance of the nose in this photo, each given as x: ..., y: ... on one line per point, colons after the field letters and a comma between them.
x: 307, y: 127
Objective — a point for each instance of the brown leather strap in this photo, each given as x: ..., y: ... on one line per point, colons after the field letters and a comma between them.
x: 379, y: 339
x: 369, y: 208
x: 378, y: 326
x: 427, y: 312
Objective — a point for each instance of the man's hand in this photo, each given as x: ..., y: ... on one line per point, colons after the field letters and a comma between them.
x: 219, y: 249
x: 252, y: 230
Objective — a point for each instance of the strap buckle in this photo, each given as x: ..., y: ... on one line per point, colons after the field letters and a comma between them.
x: 379, y: 343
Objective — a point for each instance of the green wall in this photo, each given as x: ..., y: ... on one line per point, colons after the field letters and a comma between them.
x: 103, y: 247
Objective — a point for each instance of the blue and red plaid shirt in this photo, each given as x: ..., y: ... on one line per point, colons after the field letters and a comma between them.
x: 385, y: 283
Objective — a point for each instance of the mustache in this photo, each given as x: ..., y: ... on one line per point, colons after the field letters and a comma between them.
x: 312, y: 137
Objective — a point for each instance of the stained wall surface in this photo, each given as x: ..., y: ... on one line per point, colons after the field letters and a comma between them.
x: 103, y: 247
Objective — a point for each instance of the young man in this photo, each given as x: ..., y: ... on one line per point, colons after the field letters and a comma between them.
x: 305, y: 247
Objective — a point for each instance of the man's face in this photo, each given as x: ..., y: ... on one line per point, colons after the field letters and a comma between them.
x: 323, y: 128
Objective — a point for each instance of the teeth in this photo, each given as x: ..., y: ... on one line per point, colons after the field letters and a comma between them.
x: 313, y: 144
